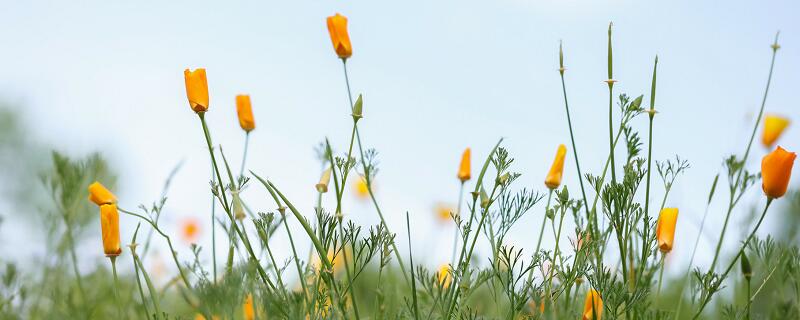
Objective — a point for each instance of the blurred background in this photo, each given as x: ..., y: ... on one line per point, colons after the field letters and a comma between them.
x: 437, y: 77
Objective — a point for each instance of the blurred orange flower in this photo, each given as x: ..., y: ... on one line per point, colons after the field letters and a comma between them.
x: 443, y: 211
x: 337, y: 27
x: 245, y: 112
x: 360, y: 187
x: 190, y: 230
x: 196, y: 89
x: 776, y: 170
x: 247, y: 308
x: 773, y: 127
x: 593, y: 306
x: 444, y: 275
x: 464, y: 170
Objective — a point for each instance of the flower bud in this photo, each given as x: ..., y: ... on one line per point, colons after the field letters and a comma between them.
x: 197, y: 89
x: 109, y: 227
x: 322, y: 186
x: 100, y: 195
x: 776, y: 170
x: 464, y: 170
x: 245, y: 112
x: 337, y: 28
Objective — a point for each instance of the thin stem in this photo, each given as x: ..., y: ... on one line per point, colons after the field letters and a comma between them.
x: 116, y: 284
x: 650, y: 150
x: 732, y: 202
x: 347, y: 272
x: 660, y: 275
x: 456, y: 230
x: 244, y: 154
x: 541, y: 230
x: 213, y: 227
x: 691, y: 260
x: 367, y: 176
x: 225, y: 202
x: 733, y: 262
x: 413, y: 280
x: 300, y: 273
x: 747, y: 308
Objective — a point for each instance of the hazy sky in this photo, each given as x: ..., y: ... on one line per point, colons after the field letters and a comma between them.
x: 437, y: 76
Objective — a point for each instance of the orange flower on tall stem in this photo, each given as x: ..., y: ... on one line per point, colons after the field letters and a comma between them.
x: 593, y: 306
x: 776, y: 170
x: 665, y: 229
x: 109, y: 227
x: 245, y: 112
x: 553, y: 179
x: 197, y: 89
x: 337, y: 27
x: 774, y: 125
x: 248, y: 310
x: 464, y: 169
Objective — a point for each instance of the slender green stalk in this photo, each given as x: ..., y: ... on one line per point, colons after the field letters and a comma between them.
x: 74, y: 257
x: 660, y: 275
x: 732, y: 202
x: 300, y: 273
x: 651, y: 113
x: 413, y: 279
x: 722, y: 277
x: 244, y: 153
x: 541, y: 231
x: 610, y: 82
x: 747, y: 308
x: 349, y: 275
x: 150, y: 287
x: 367, y: 176
x: 213, y: 227
x: 116, y: 284
x: 227, y: 209
x: 561, y: 70
x: 456, y: 230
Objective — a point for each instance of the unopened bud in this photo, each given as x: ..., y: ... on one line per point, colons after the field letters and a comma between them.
x: 358, y: 108
x: 322, y: 186
x: 747, y: 269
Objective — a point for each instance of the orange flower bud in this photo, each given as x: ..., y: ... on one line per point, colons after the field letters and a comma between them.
x: 245, y: 112
x: 665, y: 228
x: 337, y: 27
x: 197, y: 89
x: 100, y: 195
x: 593, y: 306
x: 553, y: 179
x: 773, y: 127
x: 464, y: 170
x: 443, y: 211
x: 776, y: 169
x: 247, y: 308
x: 109, y: 226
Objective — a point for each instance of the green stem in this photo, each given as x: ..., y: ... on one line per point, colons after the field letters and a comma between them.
x: 733, y: 262
x: 660, y: 275
x: 649, y: 154
x: 347, y: 272
x: 541, y: 230
x: 244, y: 154
x: 213, y: 228
x: 457, y: 230
x: 747, y: 308
x: 116, y: 284
x: 300, y: 273
x: 225, y: 202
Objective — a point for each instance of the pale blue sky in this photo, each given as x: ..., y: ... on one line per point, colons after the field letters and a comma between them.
x: 437, y: 76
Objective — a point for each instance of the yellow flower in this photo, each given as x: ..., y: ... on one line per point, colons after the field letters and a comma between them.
x: 190, y: 230
x: 593, y: 306
x: 665, y: 229
x: 553, y: 179
x: 444, y: 275
x: 443, y: 212
x: 532, y: 305
x: 464, y: 170
x: 361, y: 188
x: 776, y: 170
x: 245, y: 111
x: 773, y: 127
x: 337, y: 27
x: 201, y: 317
x: 100, y: 195
x: 109, y: 227
x: 247, y: 308
x: 197, y: 89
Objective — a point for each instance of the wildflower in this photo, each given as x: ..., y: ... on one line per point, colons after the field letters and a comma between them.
x: 532, y: 305
x: 197, y: 89
x: 245, y: 112
x: 247, y: 308
x: 109, y: 227
x: 443, y: 212
x: 190, y: 230
x: 361, y: 188
x: 444, y: 275
x: 199, y: 316
x: 553, y: 179
x: 464, y: 170
x: 593, y: 306
x: 337, y: 27
x: 776, y: 169
x: 665, y: 229
x: 238, y: 207
x: 322, y: 186
x: 100, y: 195
x: 773, y: 127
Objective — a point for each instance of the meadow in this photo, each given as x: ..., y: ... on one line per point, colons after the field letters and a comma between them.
x: 609, y: 266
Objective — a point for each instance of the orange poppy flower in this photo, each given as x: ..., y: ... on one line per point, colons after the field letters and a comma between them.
x: 245, y: 112
x: 553, y: 179
x: 109, y: 227
x: 776, y: 170
x: 337, y: 27
x: 197, y: 89
x: 665, y: 229
x: 464, y: 170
